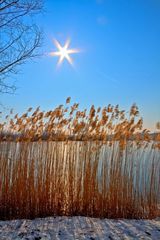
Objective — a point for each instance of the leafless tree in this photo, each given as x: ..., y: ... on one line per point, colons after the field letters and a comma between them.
x: 20, y: 38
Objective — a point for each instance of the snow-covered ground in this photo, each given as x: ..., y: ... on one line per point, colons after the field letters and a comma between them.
x: 79, y: 228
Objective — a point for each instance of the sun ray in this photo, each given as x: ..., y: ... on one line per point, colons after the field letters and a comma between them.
x: 60, y: 60
x: 54, y: 54
x: 70, y: 51
x: 70, y: 60
x: 67, y: 43
x: 57, y: 44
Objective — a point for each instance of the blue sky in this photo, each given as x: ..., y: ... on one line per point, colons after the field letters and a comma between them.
x: 119, y: 61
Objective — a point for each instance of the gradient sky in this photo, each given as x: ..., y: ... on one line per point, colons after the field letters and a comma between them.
x: 119, y: 62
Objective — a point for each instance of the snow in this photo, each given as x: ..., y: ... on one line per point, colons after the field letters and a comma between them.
x: 79, y: 228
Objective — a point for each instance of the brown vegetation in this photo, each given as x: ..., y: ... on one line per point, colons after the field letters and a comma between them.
x: 100, y: 163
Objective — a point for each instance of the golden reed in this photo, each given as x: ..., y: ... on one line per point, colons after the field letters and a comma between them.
x: 99, y: 163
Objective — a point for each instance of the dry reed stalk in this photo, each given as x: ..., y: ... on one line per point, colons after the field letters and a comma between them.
x: 65, y: 162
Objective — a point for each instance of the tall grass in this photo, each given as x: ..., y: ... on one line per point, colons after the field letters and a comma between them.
x: 99, y: 163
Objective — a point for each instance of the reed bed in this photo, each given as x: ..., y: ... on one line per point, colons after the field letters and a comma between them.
x: 98, y: 163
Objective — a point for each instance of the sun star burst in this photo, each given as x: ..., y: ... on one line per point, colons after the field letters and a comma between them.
x: 63, y: 52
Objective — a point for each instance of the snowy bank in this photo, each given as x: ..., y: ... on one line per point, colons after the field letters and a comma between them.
x: 79, y: 228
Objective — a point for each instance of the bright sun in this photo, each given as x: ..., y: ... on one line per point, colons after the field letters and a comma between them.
x: 64, y: 52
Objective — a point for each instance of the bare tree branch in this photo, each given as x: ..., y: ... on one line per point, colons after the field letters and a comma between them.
x: 20, y: 39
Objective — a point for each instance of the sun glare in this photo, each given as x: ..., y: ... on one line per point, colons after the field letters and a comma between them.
x: 63, y: 52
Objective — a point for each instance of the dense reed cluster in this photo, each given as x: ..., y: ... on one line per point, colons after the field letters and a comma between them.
x: 99, y: 163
